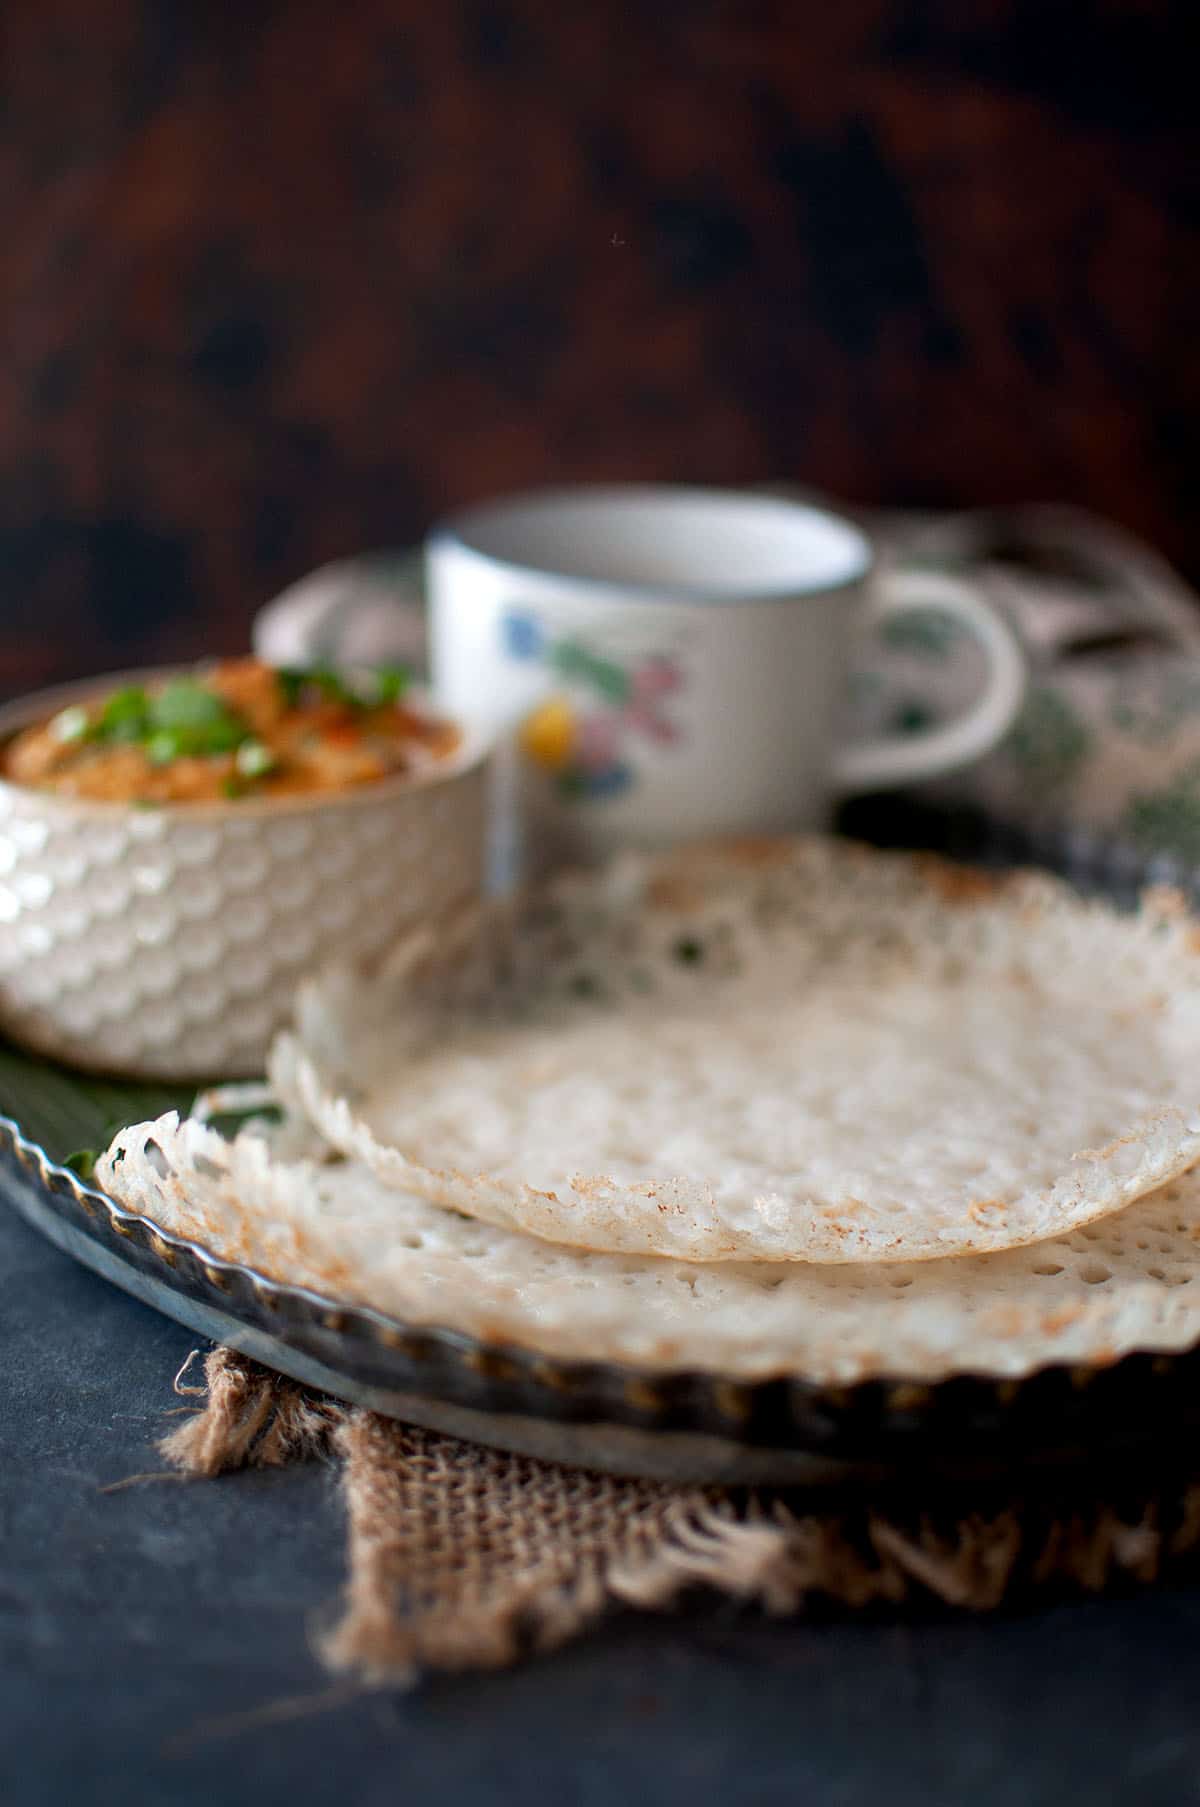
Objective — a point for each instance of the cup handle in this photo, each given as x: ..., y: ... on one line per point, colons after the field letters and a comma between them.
x: 900, y: 758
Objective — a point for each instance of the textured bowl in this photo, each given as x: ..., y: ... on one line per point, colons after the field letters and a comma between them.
x: 169, y: 941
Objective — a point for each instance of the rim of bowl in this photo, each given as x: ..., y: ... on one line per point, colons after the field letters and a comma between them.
x: 25, y: 711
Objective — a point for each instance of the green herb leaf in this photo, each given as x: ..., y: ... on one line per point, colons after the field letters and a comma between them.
x: 221, y: 737
x: 325, y: 679
x: 391, y: 682
x: 291, y: 683
x: 370, y: 689
x: 184, y: 718
x: 188, y: 704
x: 294, y: 682
x: 162, y: 747
x: 125, y: 715
x: 188, y: 719
x: 82, y: 1162
x: 231, y: 788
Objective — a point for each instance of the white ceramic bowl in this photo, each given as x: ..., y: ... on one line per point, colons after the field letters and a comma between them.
x: 169, y: 941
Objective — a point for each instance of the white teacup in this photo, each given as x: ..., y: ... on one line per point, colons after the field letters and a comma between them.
x: 673, y: 662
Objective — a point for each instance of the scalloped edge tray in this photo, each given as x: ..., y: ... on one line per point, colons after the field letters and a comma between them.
x: 671, y: 1426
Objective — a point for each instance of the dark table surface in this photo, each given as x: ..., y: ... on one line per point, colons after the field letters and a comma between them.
x: 154, y: 1645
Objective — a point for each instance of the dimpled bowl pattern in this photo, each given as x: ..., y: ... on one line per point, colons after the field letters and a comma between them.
x: 169, y: 941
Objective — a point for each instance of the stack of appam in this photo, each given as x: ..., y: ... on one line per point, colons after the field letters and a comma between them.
x: 784, y: 1107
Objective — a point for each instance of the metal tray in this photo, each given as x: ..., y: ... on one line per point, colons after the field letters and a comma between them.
x: 665, y: 1425
x: 673, y: 1426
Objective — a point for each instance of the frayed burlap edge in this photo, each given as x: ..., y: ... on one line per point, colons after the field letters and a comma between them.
x: 465, y: 1558
x: 251, y: 1418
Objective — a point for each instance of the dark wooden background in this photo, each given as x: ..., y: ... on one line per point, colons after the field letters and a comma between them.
x: 281, y: 281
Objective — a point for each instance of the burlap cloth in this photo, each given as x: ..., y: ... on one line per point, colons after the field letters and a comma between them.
x: 461, y: 1558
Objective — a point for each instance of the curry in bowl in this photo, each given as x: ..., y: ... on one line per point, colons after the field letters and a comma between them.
x: 233, y: 730
x: 180, y: 849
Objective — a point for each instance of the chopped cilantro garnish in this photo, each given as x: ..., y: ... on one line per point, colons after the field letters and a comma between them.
x: 125, y: 715
x: 197, y: 721
x: 391, y: 681
x: 369, y: 689
x: 187, y: 718
x: 291, y: 682
x: 184, y: 718
x: 219, y: 737
x: 299, y: 686
x: 304, y: 685
x: 162, y: 747
x: 188, y: 705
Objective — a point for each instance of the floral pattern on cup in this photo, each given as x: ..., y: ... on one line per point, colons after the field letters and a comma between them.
x: 601, y: 701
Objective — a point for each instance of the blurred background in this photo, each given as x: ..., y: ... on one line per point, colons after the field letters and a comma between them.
x: 283, y: 281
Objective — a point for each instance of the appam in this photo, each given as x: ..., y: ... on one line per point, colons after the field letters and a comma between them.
x: 1129, y: 1283
x: 795, y: 1050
